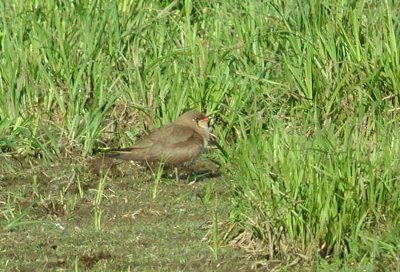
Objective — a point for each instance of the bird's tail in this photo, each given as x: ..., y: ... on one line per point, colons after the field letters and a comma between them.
x: 124, y: 154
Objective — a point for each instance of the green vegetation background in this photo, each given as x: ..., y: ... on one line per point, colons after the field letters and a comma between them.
x: 305, y: 96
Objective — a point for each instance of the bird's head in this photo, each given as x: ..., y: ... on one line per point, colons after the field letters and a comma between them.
x: 195, y: 120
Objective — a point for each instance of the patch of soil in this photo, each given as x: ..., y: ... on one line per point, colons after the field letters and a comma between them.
x: 108, y: 216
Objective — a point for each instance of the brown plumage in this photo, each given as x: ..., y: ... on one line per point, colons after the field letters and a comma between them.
x: 178, y: 143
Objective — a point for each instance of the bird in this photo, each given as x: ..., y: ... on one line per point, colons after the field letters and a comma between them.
x: 177, y: 144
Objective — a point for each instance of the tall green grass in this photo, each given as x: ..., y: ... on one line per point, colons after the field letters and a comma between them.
x: 305, y: 96
x: 323, y: 193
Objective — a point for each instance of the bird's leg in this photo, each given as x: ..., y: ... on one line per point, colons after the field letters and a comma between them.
x: 177, y: 174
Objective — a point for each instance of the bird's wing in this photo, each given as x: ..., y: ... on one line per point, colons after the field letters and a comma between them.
x: 166, y: 136
x: 176, y: 152
x: 173, y: 144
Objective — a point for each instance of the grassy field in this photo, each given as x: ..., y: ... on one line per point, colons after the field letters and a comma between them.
x: 305, y: 100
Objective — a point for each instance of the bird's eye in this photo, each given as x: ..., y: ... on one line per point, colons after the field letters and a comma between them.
x: 196, y: 120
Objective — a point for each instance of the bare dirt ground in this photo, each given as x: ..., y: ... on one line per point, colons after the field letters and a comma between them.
x: 82, y: 215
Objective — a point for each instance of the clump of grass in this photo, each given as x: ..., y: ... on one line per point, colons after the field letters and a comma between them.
x: 315, y: 170
x: 11, y: 218
x: 318, y: 195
